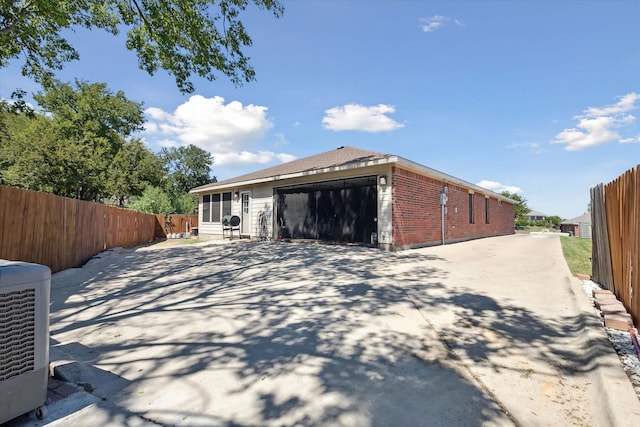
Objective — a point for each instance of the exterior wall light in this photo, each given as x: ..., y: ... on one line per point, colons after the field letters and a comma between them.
x: 383, y: 179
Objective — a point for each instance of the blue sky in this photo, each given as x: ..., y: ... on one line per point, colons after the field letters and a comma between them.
x: 537, y: 97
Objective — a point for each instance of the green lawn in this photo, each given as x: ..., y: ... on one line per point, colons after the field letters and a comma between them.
x: 577, y: 252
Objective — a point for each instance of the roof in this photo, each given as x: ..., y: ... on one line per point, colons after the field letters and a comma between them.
x: 334, y: 158
x: 536, y: 213
x: 338, y: 159
x: 586, y: 217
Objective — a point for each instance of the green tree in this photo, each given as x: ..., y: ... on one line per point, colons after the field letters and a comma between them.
x: 187, y: 167
x: 132, y: 169
x: 27, y: 145
x: 153, y: 200
x: 68, y: 149
x: 554, y: 220
x: 520, y: 210
x: 183, y: 37
x: 185, y: 204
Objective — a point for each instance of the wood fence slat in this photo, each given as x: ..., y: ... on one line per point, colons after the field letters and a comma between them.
x: 616, y: 241
x: 61, y: 233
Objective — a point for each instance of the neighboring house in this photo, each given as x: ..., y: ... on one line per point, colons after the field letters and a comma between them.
x: 533, y: 216
x: 579, y: 226
x: 357, y: 196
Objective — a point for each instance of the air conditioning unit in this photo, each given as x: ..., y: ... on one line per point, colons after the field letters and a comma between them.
x: 24, y: 338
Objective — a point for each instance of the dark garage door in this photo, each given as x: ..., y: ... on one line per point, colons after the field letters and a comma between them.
x: 344, y: 210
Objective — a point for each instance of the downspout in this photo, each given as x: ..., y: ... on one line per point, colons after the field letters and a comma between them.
x: 443, y: 208
x: 442, y: 217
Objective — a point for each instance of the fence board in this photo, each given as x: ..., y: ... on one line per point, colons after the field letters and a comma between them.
x: 175, y: 224
x: 61, y: 233
x: 616, y: 247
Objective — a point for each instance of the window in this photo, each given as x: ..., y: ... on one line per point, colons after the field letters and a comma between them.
x: 206, y: 208
x: 486, y: 210
x: 470, y: 208
x: 226, y: 203
x: 245, y: 204
x: 215, y: 208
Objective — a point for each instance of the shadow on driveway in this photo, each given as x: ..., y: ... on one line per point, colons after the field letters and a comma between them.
x: 256, y: 333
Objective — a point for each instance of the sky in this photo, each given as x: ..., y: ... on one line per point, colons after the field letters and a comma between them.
x: 539, y: 98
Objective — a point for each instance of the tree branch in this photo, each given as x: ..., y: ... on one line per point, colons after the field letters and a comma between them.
x: 141, y: 15
x: 20, y: 14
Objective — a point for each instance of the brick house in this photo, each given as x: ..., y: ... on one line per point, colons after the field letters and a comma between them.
x: 579, y: 226
x: 356, y: 196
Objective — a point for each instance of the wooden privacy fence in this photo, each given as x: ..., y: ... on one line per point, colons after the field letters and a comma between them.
x: 175, y: 223
x: 615, y: 218
x: 61, y: 233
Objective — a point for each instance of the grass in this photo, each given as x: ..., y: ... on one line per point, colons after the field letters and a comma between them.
x: 187, y: 241
x: 577, y: 252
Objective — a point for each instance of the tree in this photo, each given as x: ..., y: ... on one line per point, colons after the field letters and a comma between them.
x: 187, y: 167
x: 68, y: 150
x: 182, y: 37
x: 185, y: 204
x: 554, y: 220
x: 154, y: 200
x: 132, y: 169
x: 520, y: 210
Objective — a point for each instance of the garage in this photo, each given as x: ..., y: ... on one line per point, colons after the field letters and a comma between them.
x: 350, y: 195
x: 343, y: 210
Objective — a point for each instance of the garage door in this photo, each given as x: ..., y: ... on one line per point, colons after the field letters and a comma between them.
x: 343, y: 210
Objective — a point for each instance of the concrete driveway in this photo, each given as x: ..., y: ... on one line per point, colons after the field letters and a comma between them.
x: 487, y: 332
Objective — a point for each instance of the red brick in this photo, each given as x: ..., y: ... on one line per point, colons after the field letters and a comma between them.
x: 610, y: 299
x: 601, y: 291
x: 416, y: 211
x: 621, y: 322
x: 612, y: 308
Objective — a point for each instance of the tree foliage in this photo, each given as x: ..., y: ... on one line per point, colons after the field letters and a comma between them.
x: 520, y: 210
x: 132, y: 169
x: 187, y: 167
x: 68, y: 150
x: 554, y: 220
x: 79, y: 145
x: 153, y: 200
x: 185, y: 38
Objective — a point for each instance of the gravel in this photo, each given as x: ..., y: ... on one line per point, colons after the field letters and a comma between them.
x: 621, y: 342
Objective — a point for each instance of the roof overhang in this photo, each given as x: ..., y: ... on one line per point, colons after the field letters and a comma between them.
x: 386, y: 160
x: 276, y: 178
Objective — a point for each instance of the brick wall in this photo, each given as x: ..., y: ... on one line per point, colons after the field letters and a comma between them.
x: 416, y: 212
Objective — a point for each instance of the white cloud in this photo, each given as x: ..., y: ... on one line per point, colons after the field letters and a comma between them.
x: 359, y: 117
x: 533, y: 146
x: 596, y: 126
x: 631, y: 140
x: 156, y: 113
x: 433, y: 23
x: 230, y: 132
x: 281, y: 139
x: 625, y: 104
x: 246, y: 157
x: 498, y: 187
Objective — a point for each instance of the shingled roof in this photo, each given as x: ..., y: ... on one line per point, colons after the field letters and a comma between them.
x: 339, y: 157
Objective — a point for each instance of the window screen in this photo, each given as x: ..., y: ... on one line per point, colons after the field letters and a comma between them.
x: 215, y: 208
x: 206, y: 208
x: 226, y: 203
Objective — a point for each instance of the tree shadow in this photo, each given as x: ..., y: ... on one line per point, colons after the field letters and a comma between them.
x: 258, y: 333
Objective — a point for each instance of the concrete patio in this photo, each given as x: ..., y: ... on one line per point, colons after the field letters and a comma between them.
x: 488, y: 332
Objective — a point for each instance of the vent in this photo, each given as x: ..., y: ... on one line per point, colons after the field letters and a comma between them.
x: 17, y: 333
